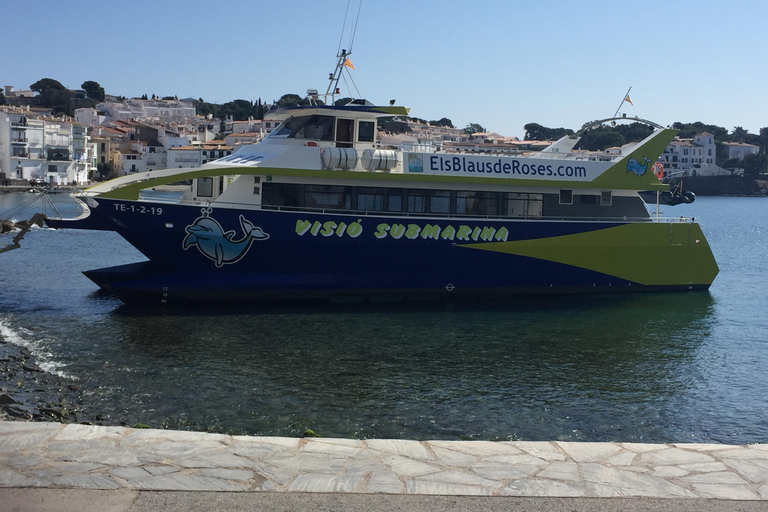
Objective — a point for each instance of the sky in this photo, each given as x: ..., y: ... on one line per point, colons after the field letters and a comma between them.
x: 501, y: 64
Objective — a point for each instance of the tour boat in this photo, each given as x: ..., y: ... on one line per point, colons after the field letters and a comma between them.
x: 319, y: 209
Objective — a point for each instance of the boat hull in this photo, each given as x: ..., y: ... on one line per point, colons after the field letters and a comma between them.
x: 204, y: 253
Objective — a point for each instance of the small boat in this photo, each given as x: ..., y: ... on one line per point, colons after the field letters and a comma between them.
x: 320, y: 209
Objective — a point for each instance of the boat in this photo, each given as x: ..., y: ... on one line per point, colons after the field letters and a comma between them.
x: 321, y: 210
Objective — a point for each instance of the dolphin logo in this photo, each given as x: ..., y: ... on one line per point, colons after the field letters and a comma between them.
x: 635, y: 168
x: 209, y: 237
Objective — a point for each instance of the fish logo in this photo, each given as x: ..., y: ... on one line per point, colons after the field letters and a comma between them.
x: 216, y: 244
x: 635, y: 168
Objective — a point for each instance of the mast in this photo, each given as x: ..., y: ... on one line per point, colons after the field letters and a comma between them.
x: 333, y: 85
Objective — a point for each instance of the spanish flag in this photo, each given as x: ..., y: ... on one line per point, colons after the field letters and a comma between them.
x: 626, y: 98
x: 348, y: 63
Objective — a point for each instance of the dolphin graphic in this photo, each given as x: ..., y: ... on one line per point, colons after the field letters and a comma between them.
x: 635, y: 168
x: 217, y: 245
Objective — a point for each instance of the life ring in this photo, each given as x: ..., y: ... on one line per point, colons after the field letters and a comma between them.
x: 658, y: 170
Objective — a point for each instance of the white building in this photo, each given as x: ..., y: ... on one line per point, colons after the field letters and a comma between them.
x: 34, y: 146
x: 739, y: 150
x: 691, y: 157
x: 163, y: 111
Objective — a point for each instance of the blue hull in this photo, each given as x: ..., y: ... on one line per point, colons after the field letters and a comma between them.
x: 238, y: 254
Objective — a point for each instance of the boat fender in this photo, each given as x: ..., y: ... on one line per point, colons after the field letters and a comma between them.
x: 379, y: 159
x: 335, y: 158
x: 688, y: 196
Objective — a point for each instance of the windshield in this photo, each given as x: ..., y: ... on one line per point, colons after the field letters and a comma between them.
x: 306, y: 127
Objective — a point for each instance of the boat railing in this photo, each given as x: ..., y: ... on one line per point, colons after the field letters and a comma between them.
x: 419, y: 215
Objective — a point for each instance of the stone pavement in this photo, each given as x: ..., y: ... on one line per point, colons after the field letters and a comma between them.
x: 53, y: 455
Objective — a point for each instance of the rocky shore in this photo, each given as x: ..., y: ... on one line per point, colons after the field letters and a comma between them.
x: 29, y: 393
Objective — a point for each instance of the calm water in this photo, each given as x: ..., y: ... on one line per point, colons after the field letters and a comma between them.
x: 655, y: 368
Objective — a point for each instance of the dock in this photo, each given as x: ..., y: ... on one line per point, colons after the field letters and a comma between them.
x: 39, y: 459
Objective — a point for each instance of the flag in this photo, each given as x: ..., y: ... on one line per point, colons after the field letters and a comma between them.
x: 348, y: 63
x: 626, y: 98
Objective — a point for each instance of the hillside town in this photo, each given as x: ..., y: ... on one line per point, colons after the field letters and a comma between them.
x: 119, y: 136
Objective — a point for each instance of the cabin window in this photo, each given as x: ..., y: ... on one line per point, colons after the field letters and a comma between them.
x: 328, y: 197
x: 280, y: 194
x: 477, y: 203
x: 429, y: 201
x: 380, y: 199
x: 307, y: 127
x: 205, y: 187
x: 366, y: 131
x: 606, y: 198
x: 587, y: 199
x: 524, y: 205
x: 566, y: 196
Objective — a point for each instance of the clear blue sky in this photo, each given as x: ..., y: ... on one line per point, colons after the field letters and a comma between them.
x: 501, y: 63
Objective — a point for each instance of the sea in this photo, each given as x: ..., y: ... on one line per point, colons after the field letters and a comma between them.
x: 660, y: 367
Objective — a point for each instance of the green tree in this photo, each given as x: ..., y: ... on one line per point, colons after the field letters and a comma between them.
x: 763, y: 140
x: 600, y: 139
x: 343, y: 101
x: 2, y: 98
x: 739, y: 134
x: 47, y: 83
x: 755, y: 165
x: 93, y: 90
x: 534, y: 131
x: 442, y: 122
x: 289, y: 100
x: 474, y: 128
x: 106, y: 170
x: 53, y: 95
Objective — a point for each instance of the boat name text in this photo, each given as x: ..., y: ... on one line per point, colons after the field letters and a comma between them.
x: 151, y: 210
x: 461, y: 232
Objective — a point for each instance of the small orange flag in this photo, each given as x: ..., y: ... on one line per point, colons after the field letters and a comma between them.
x: 626, y: 98
x: 348, y: 63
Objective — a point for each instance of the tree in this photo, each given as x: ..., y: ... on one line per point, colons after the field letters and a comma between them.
x: 755, y: 165
x: 289, y: 100
x: 343, y: 101
x: 739, y: 134
x: 2, y: 98
x: 53, y: 95
x: 763, y: 140
x: 600, y: 139
x: 534, y: 131
x: 47, y: 83
x: 106, y: 170
x: 93, y: 90
x: 473, y: 128
x: 442, y: 122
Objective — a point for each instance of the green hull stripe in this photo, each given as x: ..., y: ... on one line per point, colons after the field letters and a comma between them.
x: 649, y: 254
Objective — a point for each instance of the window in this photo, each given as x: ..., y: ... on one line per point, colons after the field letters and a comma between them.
x: 477, y: 203
x: 524, y: 205
x: 327, y: 197
x: 380, y: 199
x: 566, y: 196
x: 280, y: 194
x: 429, y: 201
x: 606, y: 198
x: 584, y: 199
x: 205, y: 187
x: 366, y: 129
x: 306, y: 127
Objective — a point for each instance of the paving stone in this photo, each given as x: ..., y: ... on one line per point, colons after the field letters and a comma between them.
x: 130, y: 473
x: 144, y: 435
x: 23, y: 461
x: 628, y: 483
x: 669, y: 471
x: 753, y: 472
x: 456, y: 477
x: 354, y: 443
x: 425, y: 487
x: 673, y: 457
x: 161, y: 470
x: 479, y: 449
x: 75, y: 432
x: 64, y: 468
x: 314, y: 482
x: 544, y: 488
x: 89, y: 480
x: 528, y: 460
x: 156, y: 452
x: 726, y: 492
x: 227, y: 474
x: 540, y: 449
x: 384, y: 482
x: 741, y: 453
x: 701, y: 447
x: 404, y: 448
x: 24, y: 440
x: 338, y: 450
x: 308, y: 462
x: 259, y: 450
x: 643, y: 447
x: 110, y: 457
x: 453, y: 458
x: 500, y: 471
x: 704, y: 467
x: 10, y: 478
x: 561, y: 471
x: 621, y: 459
x: 182, y: 482
x: 280, y: 476
x: 588, y: 452
x: 720, y: 477
x: 215, y: 460
x: 763, y: 492
x: 9, y: 427
x: 290, y: 443
x: 406, y: 467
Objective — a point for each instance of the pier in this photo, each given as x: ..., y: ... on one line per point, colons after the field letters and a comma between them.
x: 42, y: 462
